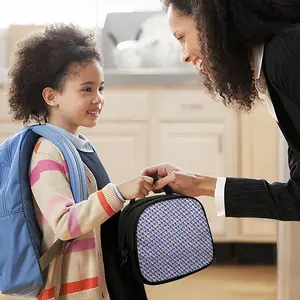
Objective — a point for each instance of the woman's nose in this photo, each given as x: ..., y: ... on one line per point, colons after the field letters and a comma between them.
x: 186, y: 57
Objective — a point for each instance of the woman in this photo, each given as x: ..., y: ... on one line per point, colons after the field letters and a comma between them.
x: 246, y: 49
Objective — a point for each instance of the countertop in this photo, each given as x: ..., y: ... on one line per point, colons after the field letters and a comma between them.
x: 139, y: 77
x: 152, y: 77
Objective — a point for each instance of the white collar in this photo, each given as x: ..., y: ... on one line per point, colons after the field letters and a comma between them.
x: 260, y: 81
x: 80, y: 142
x: 258, y: 53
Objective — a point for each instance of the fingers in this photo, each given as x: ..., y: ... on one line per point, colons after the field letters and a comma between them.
x: 161, y: 170
x: 174, y: 188
x: 142, y: 193
x: 149, y: 187
x: 150, y: 171
x: 147, y: 183
x: 159, y: 184
x: 148, y: 179
x: 146, y: 186
x: 145, y: 192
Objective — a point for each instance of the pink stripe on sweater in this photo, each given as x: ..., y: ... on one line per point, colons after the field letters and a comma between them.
x: 81, y: 245
x: 58, y: 201
x: 46, y: 165
x: 74, y: 228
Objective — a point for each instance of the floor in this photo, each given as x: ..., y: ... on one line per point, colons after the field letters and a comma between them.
x: 221, y: 283
x: 217, y: 283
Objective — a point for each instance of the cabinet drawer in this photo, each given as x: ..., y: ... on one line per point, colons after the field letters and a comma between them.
x: 188, y: 105
x: 125, y: 104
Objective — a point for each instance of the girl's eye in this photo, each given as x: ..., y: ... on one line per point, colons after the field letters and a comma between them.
x: 88, y: 90
x: 101, y: 89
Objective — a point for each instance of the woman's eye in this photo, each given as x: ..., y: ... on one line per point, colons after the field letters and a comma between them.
x: 88, y: 90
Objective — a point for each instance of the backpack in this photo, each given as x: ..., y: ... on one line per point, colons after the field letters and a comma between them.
x: 165, y: 237
x: 21, y: 263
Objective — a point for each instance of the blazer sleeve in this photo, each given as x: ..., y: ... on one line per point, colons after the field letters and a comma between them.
x: 259, y: 198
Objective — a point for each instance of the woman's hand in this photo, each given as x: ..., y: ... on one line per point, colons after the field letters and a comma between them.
x: 137, y: 187
x: 181, y: 181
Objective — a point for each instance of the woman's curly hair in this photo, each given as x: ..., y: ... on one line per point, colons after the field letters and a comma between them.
x: 42, y: 60
x: 228, y: 31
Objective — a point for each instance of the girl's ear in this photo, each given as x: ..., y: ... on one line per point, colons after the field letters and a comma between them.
x: 49, y: 96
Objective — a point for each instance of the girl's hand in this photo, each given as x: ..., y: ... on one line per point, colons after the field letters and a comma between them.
x: 137, y: 187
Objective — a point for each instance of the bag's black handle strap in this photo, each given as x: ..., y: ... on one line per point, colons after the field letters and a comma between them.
x: 168, y: 190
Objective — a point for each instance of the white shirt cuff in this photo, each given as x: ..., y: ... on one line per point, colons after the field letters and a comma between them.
x: 220, y: 196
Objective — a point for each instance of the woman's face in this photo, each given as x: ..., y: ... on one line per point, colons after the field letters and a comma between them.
x: 185, y: 31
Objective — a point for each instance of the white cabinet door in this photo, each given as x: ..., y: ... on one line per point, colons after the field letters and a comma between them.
x: 197, y: 147
x: 259, y: 160
x: 122, y: 147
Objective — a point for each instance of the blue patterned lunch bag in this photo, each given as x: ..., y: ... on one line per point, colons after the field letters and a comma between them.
x: 165, y: 237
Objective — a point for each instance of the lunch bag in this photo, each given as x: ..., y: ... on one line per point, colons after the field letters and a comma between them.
x: 165, y: 237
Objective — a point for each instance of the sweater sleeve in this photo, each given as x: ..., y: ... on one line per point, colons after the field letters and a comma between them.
x: 50, y: 186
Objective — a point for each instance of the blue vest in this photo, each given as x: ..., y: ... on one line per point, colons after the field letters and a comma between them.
x: 119, y: 280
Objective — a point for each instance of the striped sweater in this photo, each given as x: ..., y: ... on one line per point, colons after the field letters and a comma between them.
x: 82, y: 271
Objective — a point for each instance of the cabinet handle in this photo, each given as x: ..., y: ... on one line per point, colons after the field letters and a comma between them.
x: 192, y: 106
x: 220, y: 143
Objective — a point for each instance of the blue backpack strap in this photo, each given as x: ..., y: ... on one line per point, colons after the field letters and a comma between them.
x: 77, y: 179
x: 72, y: 157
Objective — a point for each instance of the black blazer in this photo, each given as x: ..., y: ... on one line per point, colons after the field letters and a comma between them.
x: 258, y: 198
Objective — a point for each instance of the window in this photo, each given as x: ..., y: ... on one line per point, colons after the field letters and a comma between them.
x: 86, y: 13
x: 49, y: 11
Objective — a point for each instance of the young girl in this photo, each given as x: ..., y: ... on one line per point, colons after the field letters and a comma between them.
x: 57, y: 78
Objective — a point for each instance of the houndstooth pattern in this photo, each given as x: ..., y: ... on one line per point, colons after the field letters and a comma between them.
x: 173, y: 239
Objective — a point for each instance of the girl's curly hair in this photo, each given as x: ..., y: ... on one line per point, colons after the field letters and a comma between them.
x: 228, y: 31
x: 43, y: 60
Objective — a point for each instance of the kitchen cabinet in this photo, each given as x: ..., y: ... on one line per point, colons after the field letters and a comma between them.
x: 16, y: 33
x: 196, y: 133
x: 181, y: 124
x: 196, y: 147
x: 7, y: 127
x: 146, y: 125
x: 141, y: 126
x: 121, y: 138
x: 258, y: 148
x: 121, y: 147
x: 185, y: 127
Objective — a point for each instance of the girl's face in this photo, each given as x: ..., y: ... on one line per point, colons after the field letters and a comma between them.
x: 82, y: 98
x: 185, y: 30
